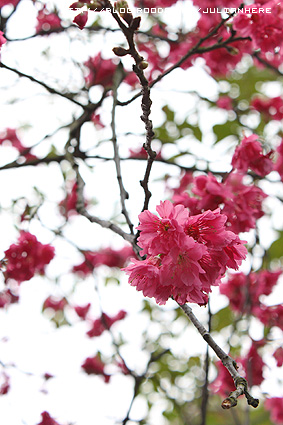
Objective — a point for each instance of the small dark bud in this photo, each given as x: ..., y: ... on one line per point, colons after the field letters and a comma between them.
x: 77, y: 5
x: 143, y: 65
x: 135, y: 24
x: 120, y: 51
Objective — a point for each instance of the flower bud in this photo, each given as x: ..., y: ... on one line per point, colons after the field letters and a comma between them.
x: 120, y: 51
x: 143, y: 65
x: 135, y: 24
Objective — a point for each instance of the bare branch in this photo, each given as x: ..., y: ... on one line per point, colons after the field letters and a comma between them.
x: 41, y: 83
x: 93, y: 219
x: 118, y: 77
x: 230, y: 364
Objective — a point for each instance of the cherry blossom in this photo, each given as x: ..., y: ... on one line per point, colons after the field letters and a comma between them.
x: 27, y: 257
x: 100, y: 71
x: 105, y: 322
x: 249, y: 155
x: 186, y: 255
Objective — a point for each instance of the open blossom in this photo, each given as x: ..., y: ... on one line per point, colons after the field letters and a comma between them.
x: 27, y: 257
x: 275, y: 406
x: 249, y: 155
x: 95, y: 366
x: 186, y: 255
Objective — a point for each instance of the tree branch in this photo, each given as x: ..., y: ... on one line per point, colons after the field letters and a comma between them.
x: 230, y: 364
x: 41, y: 83
x: 80, y: 206
x: 118, y: 77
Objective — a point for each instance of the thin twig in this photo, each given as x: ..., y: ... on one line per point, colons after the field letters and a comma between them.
x: 129, y: 33
x: 80, y: 206
x: 205, y: 393
x: 41, y: 83
x: 118, y: 77
x: 230, y: 364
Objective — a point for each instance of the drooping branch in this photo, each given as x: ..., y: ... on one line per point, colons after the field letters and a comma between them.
x: 230, y: 364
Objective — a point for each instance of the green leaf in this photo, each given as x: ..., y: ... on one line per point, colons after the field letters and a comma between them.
x: 221, y: 319
x: 276, y: 249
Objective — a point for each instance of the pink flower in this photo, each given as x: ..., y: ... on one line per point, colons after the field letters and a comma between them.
x: 253, y: 365
x: 244, y: 291
x: 47, y: 420
x: 47, y: 21
x: 249, y: 155
x: 275, y: 405
x: 158, y: 234
x: 100, y: 71
x: 263, y: 28
x: 225, y: 102
x: 186, y: 255
x: 271, y: 108
x: 94, y: 366
x: 270, y: 315
x: 104, y: 323
x: 81, y: 19
x: 242, y: 203
x: 27, y: 257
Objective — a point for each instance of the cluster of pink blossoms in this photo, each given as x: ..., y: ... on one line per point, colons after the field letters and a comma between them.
x: 26, y: 258
x: 186, y: 254
x: 242, y: 203
x: 245, y: 292
x: 249, y: 155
